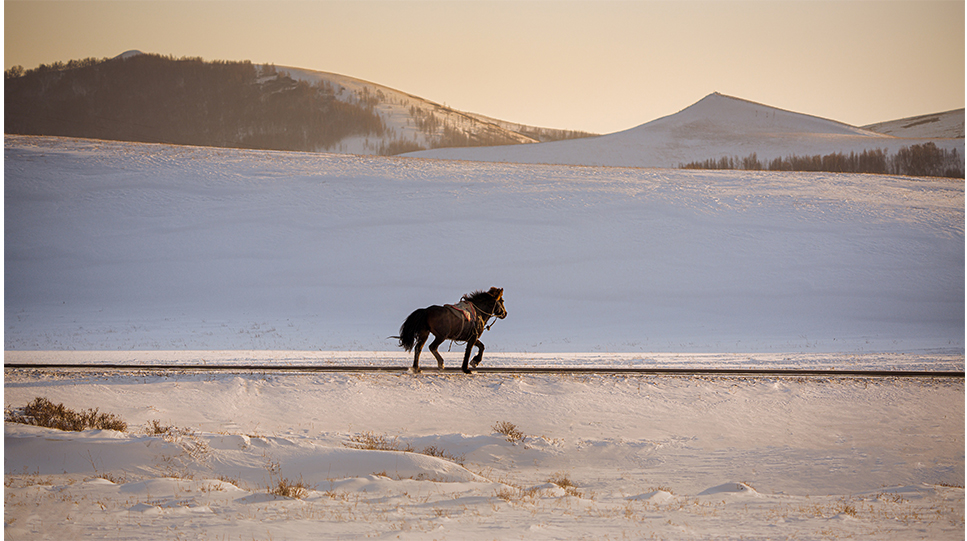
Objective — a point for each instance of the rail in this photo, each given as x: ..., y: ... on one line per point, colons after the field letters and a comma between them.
x: 801, y: 372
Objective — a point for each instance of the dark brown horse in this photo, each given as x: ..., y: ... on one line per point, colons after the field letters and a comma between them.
x: 463, y: 322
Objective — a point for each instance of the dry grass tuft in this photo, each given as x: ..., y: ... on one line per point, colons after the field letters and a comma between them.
x: 378, y: 442
x: 43, y: 412
x: 564, y: 481
x: 510, y: 430
x: 846, y: 508
x: 289, y: 489
x: 195, y: 446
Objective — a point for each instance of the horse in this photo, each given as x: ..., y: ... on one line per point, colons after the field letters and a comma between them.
x: 463, y: 322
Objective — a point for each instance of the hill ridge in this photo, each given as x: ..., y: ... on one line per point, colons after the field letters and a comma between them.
x: 716, y: 126
x: 145, y: 97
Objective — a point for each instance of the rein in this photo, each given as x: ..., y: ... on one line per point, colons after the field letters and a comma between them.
x: 489, y: 315
x: 487, y: 324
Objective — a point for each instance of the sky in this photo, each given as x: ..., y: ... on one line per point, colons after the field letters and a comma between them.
x: 600, y: 66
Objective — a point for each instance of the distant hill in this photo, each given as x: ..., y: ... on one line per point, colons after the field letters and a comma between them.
x: 413, y: 123
x: 717, y: 126
x: 152, y: 98
x: 944, y: 125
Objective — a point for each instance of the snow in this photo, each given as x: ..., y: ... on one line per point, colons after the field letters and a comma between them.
x: 144, y: 254
x: 128, y: 54
x: 923, y: 361
x: 394, y: 108
x: 123, y: 246
x: 947, y: 124
x: 714, y: 127
x: 603, y: 457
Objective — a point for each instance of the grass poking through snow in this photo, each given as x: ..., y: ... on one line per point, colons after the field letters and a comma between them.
x: 43, y: 412
x: 290, y: 489
x: 379, y: 442
x: 510, y: 430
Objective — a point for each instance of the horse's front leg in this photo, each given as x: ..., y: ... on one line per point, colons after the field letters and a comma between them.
x: 479, y: 356
x: 466, y: 355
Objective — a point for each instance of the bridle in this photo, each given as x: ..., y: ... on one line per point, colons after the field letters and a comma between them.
x: 489, y: 314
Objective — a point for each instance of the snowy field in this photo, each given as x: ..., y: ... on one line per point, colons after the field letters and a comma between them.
x: 122, y: 246
x: 150, y: 254
x: 602, y: 457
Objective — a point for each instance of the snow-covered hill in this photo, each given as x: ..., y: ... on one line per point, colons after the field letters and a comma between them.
x: 716, y: 126
x: 949, y: 124
x: 416, y: 123
x: 153, y: 98
x: 142, y: 246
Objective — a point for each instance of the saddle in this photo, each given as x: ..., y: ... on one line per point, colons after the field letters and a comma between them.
x: 464, y: 309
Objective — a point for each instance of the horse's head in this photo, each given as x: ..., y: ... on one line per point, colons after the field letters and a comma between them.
x: 490, y: 303
x: 498, y: 295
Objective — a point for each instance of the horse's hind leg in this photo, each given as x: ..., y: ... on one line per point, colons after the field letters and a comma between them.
x: 420, y: 340
x: 479, y: 356
x: 433, y: 349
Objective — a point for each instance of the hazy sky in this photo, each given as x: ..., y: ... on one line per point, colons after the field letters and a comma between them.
x: 600, y: 66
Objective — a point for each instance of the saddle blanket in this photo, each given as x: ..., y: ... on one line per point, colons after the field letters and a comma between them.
x: 465, y: 309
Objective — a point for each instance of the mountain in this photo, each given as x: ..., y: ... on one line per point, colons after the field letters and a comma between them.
x: 151, y: 98
x: 716, y: 126
x: 949, y: 124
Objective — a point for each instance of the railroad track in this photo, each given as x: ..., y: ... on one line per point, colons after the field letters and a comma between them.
x: 799, y: 372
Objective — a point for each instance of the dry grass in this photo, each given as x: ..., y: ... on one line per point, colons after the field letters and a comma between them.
x: 289, y: 489
x: 510, y: 430
x: 155, y: 428
x: 43, y: 412
x: 378, y: 442
x: 564, y: 481
x: 432, y: 450
x: 193, y: 445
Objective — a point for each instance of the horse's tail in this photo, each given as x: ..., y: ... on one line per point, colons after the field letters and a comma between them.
x: 414, y: 325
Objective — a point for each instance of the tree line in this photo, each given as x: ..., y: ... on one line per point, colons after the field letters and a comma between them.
x: 154, y: 98
x: 921, y: 160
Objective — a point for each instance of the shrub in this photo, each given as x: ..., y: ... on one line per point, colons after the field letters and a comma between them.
x: 289, y: 489
x: 155, y: 428
x: 433, y: 450
x: 43, y: 412
x: 510, y: 430
x: 564, y: 481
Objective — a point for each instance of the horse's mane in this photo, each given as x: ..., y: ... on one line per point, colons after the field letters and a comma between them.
x: 475, y: 295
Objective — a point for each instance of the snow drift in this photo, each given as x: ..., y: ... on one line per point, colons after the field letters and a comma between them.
x: 601, y: 457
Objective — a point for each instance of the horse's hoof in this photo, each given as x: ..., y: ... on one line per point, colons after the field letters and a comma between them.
x: 467, y: 371
x: 414, y: 370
